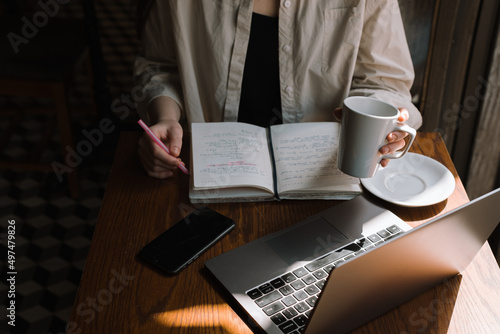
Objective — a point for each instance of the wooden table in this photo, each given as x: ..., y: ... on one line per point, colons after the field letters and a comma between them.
x: 119, y: 294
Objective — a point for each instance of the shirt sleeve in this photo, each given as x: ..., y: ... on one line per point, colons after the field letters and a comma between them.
x: 155, y: 68
x: 384, y: 67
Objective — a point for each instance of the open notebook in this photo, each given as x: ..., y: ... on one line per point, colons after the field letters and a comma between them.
x: 234, y: 162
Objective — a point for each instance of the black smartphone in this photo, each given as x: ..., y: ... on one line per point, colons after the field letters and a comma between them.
x: 182, y: 243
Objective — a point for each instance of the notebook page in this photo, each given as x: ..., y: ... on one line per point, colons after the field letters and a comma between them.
x: 230, y: 155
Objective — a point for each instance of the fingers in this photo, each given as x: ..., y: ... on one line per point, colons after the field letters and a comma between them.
x: 158, y: 171
x: 157, y: 168
x: 395, y: 140
x: 396, y: 136
x: 403, y: 115
x: 175, y: 136
x: 155, y: 160
x: 392, y: 147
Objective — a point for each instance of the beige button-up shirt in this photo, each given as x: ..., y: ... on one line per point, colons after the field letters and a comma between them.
x: 194, y: 51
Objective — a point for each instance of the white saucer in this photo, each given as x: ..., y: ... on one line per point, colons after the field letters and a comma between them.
x: 413, y: 180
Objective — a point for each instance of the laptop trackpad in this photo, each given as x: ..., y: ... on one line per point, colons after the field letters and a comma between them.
x: 307, y: 241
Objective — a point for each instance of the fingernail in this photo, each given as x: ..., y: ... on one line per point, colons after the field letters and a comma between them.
x: 384, y: 150
x: 175, y: 150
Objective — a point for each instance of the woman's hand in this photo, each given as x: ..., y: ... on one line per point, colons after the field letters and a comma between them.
x: 164, y: 113
x: 155, y: 160
x: 395, y: 140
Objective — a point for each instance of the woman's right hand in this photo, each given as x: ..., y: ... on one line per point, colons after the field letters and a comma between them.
x: 155, y: 160
x: 164, y: 114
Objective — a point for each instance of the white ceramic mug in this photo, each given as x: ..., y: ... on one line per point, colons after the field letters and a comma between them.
x: 366, y: 122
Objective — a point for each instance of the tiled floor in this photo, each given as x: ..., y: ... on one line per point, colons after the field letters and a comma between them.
x: 52, y: 230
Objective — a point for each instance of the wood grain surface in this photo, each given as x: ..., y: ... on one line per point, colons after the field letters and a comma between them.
x: 119, y: 294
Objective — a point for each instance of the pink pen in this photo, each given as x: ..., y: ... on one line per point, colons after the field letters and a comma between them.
x: 160, y: 143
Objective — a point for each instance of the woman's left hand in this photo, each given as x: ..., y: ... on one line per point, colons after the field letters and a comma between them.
x: 395, y: 140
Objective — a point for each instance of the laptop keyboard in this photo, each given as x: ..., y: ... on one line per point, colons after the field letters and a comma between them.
x: 289, y: 299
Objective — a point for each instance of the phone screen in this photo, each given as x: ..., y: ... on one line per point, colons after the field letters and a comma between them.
x: 177, y: 247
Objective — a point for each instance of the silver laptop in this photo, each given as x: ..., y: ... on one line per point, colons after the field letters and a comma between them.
x: 316, y: 275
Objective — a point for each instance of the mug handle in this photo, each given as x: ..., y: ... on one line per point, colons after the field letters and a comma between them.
x: 409, y: 130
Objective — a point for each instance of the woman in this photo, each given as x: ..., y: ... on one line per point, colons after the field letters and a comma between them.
x: 266, y: 62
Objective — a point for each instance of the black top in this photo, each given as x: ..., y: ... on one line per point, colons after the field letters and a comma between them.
x: 260, y: 101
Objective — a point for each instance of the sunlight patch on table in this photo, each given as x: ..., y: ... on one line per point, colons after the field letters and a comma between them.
x: 218, y: 315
